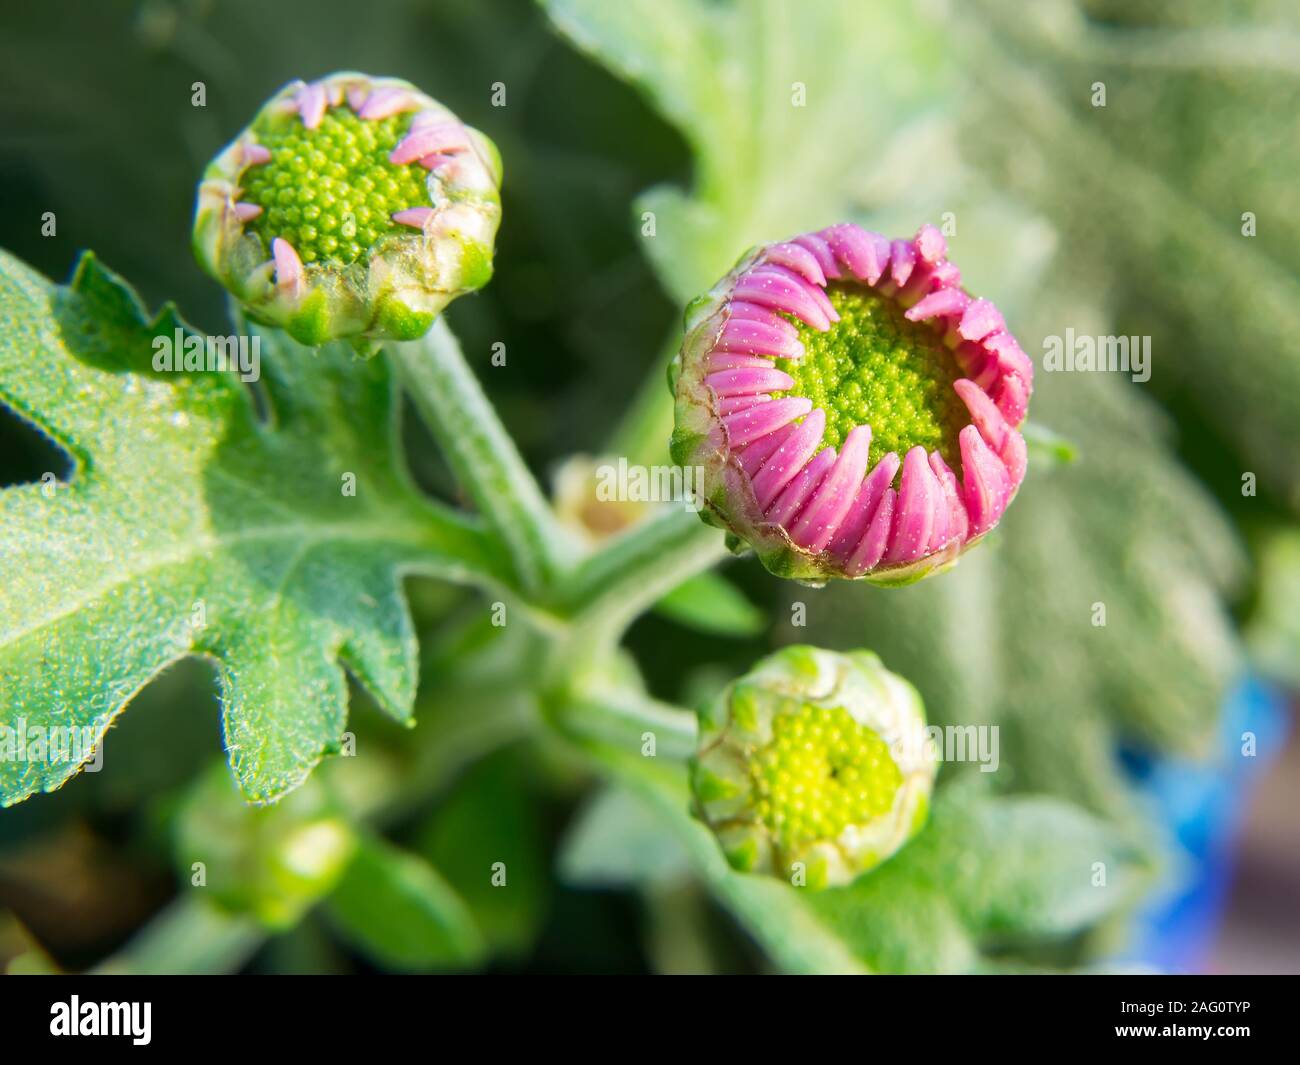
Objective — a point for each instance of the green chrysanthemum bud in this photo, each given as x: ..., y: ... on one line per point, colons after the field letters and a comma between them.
x: 814, y: 766
x: 351, y: 207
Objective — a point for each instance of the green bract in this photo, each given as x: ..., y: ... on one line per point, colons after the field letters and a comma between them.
x: 350, y: 207
x: 814, y: 766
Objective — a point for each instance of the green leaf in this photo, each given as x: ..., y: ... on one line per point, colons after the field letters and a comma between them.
x: 770, y: 96
x: 189, y: 527
x: 712, y: 604
x: 486, y: 837
x: 986, y: 875
x: 398, y: 909
x: 1150, y: 192
x: 616, y: 840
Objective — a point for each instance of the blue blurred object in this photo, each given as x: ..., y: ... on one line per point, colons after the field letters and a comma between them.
x: 1201, y: 804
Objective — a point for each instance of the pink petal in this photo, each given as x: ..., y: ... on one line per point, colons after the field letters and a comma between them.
x: 384, y: 103
x: 787, y: 460
x: 749, y: 382
x: 735, y: 404
x: 357, y: 97
x: 1011, y: 394
x: 821, y: 251
x: 733, y: 360
x: 919, y: 500
x: 1002, y: 439
x: 311, y: 104
x: 797, y: 258
x: 254, y: 154
x: 979, y: 320
x: 796, y: 493
x: 752, y: 312
x: 427, y: 139
x: 944, y: 275
x: 986, y: 486
x: 958, y: 522
x: 756, y: 338
x: 855, y: 524
x: 877, y: 258
x: 782, y: 294
x: 748, y: 426
x: 288, y: 267
x: 930, y: 245
x: 902, y: 258
x: 754, y: 455
x: 867, y: 555
x: 835, y: 496
x: 415, y: 217
x: 818, y: 295
x: 942, y: 304
x: 1010, y: 357
x: 246, y: 212
x: 865, y: 254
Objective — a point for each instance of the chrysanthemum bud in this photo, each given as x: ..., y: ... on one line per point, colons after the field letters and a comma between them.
x: 814, y: 766
x: 821, y: 366
x: 351, y: 207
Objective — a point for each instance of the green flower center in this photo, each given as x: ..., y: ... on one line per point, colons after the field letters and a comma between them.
x: 821, y: 772
x: 331, y: 191
x: 874, y: 367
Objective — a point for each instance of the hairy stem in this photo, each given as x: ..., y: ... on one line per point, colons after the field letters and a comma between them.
x: 617, y: 584
x: 628, y: 718
x: 481, y: 453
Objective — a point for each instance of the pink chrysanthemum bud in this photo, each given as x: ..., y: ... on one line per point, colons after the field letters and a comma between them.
x: 351, y: 207
x: 814, y: 767
x: 854, y: 410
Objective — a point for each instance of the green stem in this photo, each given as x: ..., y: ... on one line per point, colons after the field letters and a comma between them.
x: 481, y: 453
x: 617, y: 584
x: 624, y: 718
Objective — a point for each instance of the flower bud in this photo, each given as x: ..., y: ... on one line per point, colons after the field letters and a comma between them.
x: 820, y: 368
x: 350, y: 207
x: 814, y: 766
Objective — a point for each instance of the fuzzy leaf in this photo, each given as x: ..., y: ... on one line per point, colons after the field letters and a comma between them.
x: 769, y: 95
x: 485, y: 838
x: 708, y: 602
x: 402, y: 912
x: 1178, y: 196
x: 189, y: 527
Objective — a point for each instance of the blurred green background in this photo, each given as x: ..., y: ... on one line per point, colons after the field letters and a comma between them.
x: 1122, y: 219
